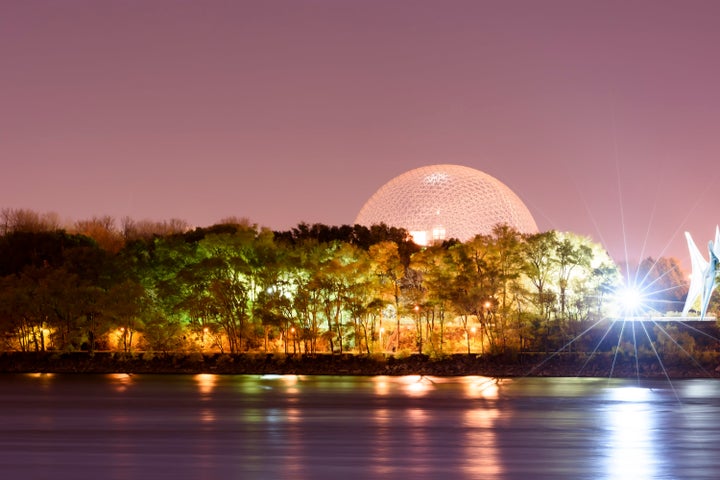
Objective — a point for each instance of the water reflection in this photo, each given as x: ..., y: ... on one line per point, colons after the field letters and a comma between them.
x: 381, y: 385
x: 206, y: 383
x: 417, y: 385
x: 419, y: 452
x: 631, y: 447
x: 44, y: 378
x: 207, y: 415
x: 290, y: 383
x: 356, y: 427
x: 482, y: 458
x: 121, y: 381
x: 481, y: 387
x: 293, y: 459
x: 382, y: 443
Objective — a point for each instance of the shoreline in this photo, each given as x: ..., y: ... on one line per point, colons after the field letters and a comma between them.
x: 525, y: 365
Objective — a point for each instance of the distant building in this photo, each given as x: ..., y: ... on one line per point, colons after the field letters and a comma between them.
x: 440, y: 202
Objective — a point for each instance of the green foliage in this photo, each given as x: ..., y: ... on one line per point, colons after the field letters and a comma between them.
x: 235, y: 287
x: 403, y: 354
x: 673, y: 346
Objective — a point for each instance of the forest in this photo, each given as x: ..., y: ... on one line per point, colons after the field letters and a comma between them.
x: 235, y: 287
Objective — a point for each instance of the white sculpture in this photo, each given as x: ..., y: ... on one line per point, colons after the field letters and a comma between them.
x: 704, y: 272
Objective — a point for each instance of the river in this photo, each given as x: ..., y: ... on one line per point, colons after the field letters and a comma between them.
x: 342, y: 427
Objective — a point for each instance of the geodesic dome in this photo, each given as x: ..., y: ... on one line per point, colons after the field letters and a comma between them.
x: 439, y: 202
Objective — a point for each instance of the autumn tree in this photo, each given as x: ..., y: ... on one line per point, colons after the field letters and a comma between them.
x: 221, y: 287
x: 507, y: 258
x: 663, y: 283
x: 147, y: 229
x: 334, y: 282
x: 538, y: 251
x: 387, y: 264
x: 434, y: 265
x: 475, y: 285
x: 103, y: 231
x: 28, y: 221
x: 570, y: 254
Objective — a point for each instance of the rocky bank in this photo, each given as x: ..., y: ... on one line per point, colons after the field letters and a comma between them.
x: 542, y: 365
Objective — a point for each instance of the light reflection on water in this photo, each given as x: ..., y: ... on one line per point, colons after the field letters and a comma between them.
x: 482, y: 387
x: 417, y: 385
x: 482, y: 459
x: 381, y: 446
x: 206, y: 383
x: 631, y: 446
x: 294, y: 457
x: 121, y: 381
x: 420, y: 427
x: 382, y: 385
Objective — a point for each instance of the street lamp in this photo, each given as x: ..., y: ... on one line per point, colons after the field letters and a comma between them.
x: 418, y: 328
x: 122, y: 338
x: 488, y: 310
x: 204, y: 332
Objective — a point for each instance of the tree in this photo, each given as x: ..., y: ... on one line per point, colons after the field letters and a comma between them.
x: 414, y: 292
x: 388, y: 266
x: 60, y: 296
x: 539, y: 254
x: 28, y: 221
x: 605, y: 279
x: 506, y: 254
x: 663, y: 283
x: 126, y: 307
x: 235, y: 263
x: 21, y: 314
x: 475, y: 285
x: 147, y: 229
x: 306, y: 259
x: 434, y: 266
x: 571, y: 253
x: 334, y: 281
x: 39, y: 249
x: 362, y: 303
x: 103, y: 231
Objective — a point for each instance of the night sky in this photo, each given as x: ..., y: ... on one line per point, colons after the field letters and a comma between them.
x: 601, y: 115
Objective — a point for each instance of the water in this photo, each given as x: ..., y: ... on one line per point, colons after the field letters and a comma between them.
x: 290, y: 427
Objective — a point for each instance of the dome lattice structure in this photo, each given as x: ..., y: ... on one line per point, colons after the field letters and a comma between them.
x: 440, y: 202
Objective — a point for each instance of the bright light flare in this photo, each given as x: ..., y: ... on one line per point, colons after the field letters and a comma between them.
x: 630, y: 301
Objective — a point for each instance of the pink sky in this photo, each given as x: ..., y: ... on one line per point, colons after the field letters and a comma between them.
x: 290, y: 111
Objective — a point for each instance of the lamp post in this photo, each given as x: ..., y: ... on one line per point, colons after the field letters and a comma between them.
x: 418, y: 327
x: 488, y: 306
x: 123, y: 338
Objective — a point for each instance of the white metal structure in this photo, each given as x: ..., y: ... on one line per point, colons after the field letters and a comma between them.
x: 702, y: 278
x: 440, y: 202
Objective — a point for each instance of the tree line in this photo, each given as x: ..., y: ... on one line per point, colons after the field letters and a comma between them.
x: 235, y: 287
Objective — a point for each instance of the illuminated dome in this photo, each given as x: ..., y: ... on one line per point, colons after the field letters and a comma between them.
x: 439, y: 202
